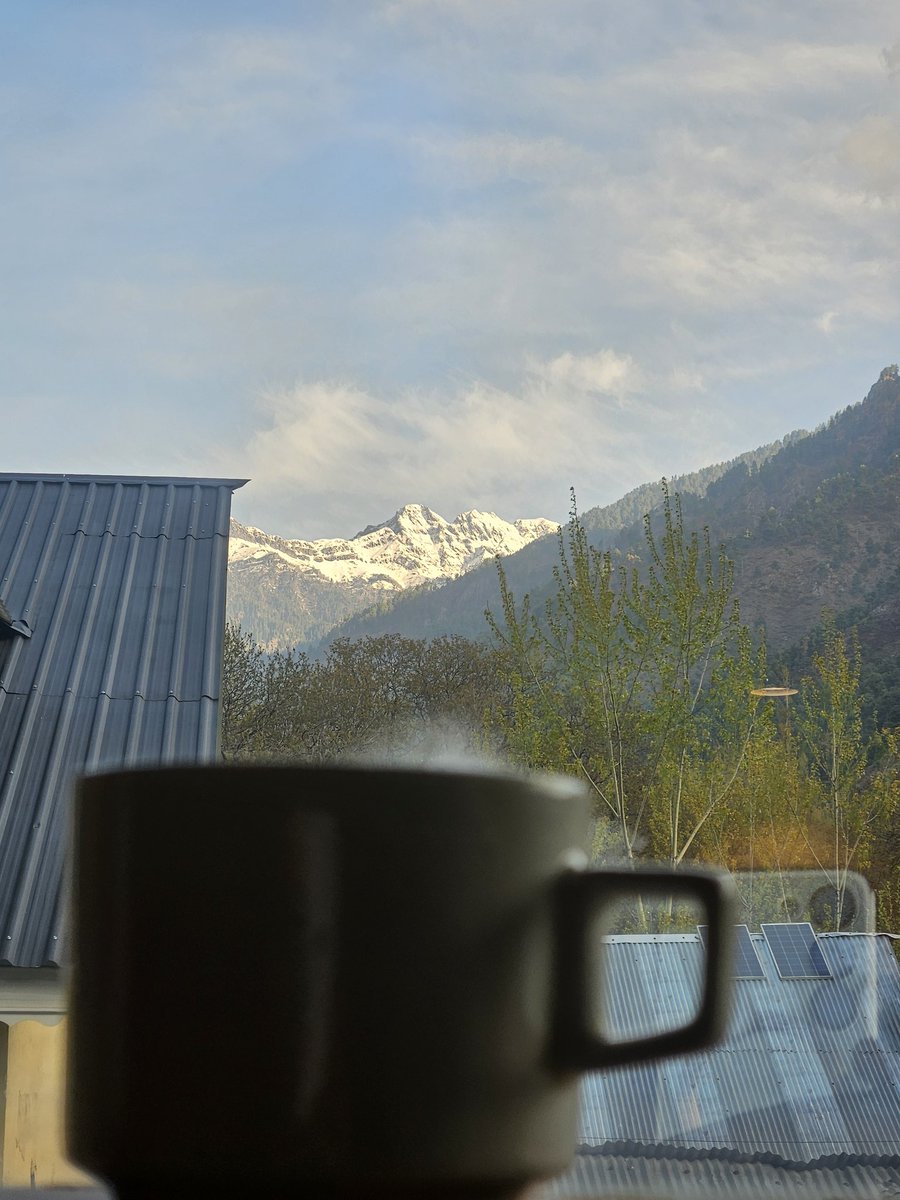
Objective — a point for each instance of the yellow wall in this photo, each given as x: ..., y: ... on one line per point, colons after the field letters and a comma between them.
x: 33, y: 1119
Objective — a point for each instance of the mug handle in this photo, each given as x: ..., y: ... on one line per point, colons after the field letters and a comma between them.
x: 577, y: 1044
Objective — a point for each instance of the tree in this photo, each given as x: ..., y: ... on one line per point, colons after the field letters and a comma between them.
x: 700, y: 673
x: 257, y: 696
x: 637, y: 676
x: 386, y: 694
x: 857, y: 776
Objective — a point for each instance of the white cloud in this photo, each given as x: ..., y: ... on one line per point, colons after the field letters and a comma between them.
x: 718, y: 174
x: 872, y: 149
x: 763, y: 71
x: 573, y: 419
x: 315, y: 434
x: 827, y: 320
x: 686, y: 379
x: 604, y: 373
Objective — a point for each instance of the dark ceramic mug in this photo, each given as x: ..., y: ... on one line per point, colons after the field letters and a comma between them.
x: 350, y: 979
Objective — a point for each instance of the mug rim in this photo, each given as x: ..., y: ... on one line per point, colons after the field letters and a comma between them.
x: 548, y: 782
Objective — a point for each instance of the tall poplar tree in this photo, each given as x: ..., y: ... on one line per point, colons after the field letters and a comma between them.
x: 857, y: 775
x: 637, y: 676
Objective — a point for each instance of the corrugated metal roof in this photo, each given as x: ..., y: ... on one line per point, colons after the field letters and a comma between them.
x: 121, y: 583
x: 594, y: 1174
x: 810, y: 1067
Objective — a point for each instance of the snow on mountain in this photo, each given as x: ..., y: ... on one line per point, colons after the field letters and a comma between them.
x: 293, y: 593
x: 415, y: 546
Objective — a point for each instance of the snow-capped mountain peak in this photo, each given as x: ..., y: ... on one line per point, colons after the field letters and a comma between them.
x: 288, y: 591
x: 415, y: 546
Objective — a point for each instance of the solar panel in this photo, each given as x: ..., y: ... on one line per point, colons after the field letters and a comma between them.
x: 746, y: 960
x: 796, y: 951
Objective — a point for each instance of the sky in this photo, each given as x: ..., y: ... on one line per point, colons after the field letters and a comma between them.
x: 461, y: 253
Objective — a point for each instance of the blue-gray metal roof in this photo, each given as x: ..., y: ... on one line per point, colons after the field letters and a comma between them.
x: 641, y: 1175
x: 810, y: 1067
x: 116, y: 590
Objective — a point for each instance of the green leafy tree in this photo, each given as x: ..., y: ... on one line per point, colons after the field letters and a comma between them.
x: 575, y: 680
x: 376, y: 694
x: 637, y: 676
x: 700, y: 673
x: 258, y: 690
x: 857, y: 776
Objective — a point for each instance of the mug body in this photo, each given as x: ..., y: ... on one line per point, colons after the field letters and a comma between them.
x: 328, y: 975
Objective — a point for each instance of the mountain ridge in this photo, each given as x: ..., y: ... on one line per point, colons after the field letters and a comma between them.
x: 811, y: 521
x: 461, y: 609
x: 327, y: 579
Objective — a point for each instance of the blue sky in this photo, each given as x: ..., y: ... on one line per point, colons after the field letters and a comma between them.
x: 460, y: 253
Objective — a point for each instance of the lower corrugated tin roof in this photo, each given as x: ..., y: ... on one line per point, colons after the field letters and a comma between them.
x: 120, y: 582
x: 595, y: 1173
x: 809, y: 1067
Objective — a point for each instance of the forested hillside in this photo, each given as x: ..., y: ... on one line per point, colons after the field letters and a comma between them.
x: 814, y: 524
x: 458, y: 606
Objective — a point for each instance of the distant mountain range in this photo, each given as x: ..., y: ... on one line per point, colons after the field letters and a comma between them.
x: 811, y: 522
x: 294, y: 592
